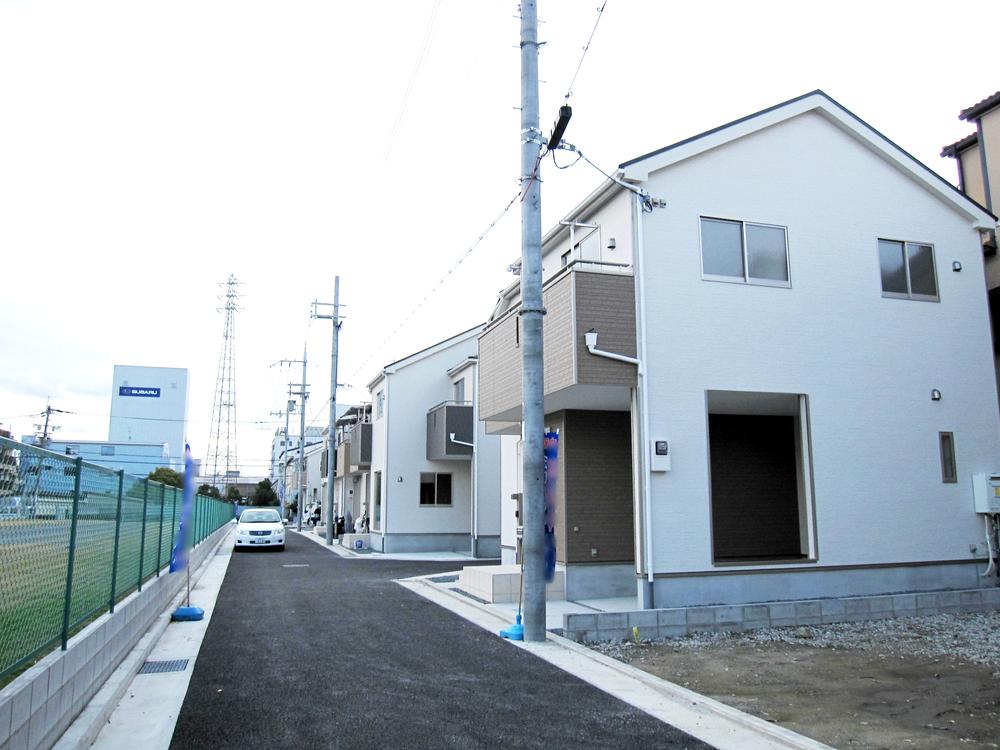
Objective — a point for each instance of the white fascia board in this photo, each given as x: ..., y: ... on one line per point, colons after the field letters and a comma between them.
x: 376, y: 380
x: 639, y: 171
x: 463, y: 365
x: 432, y: 350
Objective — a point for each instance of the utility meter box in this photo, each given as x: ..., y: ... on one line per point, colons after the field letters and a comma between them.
x: 659, y: 455
x: 986, y: 492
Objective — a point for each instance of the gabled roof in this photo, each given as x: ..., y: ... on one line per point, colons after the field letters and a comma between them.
x: 424, y: 353
x: 641, y: 167
x: 957, y: 147
x: 980, y: 108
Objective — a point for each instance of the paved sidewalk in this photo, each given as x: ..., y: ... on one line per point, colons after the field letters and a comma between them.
x: 307, y: 649
x: 146, y: 715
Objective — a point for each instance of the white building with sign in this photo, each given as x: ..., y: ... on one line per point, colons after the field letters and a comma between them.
x: 150, y: 405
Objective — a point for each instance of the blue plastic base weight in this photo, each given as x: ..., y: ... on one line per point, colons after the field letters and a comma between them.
x: 515, y: 632
x: 187, y: 614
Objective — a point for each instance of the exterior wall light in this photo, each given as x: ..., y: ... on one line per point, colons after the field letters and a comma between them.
x: 612, y: 244
x: 956, y: 266
x: 935, y: 395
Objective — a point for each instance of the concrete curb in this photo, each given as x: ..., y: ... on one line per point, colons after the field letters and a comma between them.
x: 84, y: 730
x: 700, y: 716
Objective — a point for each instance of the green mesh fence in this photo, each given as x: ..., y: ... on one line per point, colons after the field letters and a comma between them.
x: 75, y: 538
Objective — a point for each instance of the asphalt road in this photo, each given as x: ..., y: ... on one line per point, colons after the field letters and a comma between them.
x: 337, y: 655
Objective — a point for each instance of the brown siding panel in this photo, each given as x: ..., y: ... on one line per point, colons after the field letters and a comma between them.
x: 596, y: 474
x: 606, y: 303
x: 574, y: 303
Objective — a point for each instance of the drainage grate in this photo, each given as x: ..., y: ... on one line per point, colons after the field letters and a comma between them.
x: 159, y: 667
x: 443, y: 579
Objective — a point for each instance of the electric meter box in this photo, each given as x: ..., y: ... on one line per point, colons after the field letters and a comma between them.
x: 986, y: 492
x: 659, y: 455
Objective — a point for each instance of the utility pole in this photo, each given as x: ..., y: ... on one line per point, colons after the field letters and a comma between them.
x: 49, y: 411
x: 302, y: 442
x: 531, y: 313
x: 331, y: 447
x: 304, y: 394
x: 283, y: 456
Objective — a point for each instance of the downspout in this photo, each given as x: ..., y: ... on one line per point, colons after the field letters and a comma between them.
x: 472, y: 480
x: 640, y: 320
x: 641, y: 441
x: 987, y: 193
x: 383, y: 522
x: 474, y: 473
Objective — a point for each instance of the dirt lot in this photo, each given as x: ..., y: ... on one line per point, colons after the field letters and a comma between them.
x: 922, y: 682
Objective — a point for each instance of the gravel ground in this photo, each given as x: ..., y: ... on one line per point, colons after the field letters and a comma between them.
x: 922, y: 683
x: 974, y: 638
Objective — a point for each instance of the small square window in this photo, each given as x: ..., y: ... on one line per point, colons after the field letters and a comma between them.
x: 107, y: 450
x: 907, y: 269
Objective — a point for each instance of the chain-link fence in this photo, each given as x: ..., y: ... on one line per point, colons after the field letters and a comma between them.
x: 75, y: 538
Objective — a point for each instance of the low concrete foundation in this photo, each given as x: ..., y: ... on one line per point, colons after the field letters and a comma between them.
x: 393, y: 543
x: 498, y: 584
x: 676, y: 622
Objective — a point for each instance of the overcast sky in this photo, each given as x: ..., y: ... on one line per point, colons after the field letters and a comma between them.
x: 150, y: 149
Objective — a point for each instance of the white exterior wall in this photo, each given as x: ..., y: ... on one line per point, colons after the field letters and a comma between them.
x: 867, y: 364
x: 510, y: 483
x: 151, y: 419
x: 414, y: 389
x: 399, y: 450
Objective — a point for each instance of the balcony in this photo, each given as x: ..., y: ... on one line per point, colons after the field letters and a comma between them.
x: 444, y: 420
x: 360, y: 456
x: 579, y: 298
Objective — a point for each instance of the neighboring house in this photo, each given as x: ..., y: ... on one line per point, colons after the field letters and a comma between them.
x: 434, y: 471
x: 283, y: 447
x: 801, y: 383
x: 352, y: 485
x: 978, y: 159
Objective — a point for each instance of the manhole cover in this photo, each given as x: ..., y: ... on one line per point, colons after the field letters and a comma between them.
x: 159, y: 667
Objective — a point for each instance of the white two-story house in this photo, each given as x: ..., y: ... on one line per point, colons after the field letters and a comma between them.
x: 801, y: 382
x: 434, y: 472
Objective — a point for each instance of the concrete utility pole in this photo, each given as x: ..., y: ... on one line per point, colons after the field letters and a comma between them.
x: 331, y: 444
x: 532, y: 312
x: 283, y: 456
x: 304, y: 394
x: 302, y: 442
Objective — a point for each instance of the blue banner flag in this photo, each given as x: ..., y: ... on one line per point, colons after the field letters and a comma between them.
x: 551, y: 477
x: 179, y: 555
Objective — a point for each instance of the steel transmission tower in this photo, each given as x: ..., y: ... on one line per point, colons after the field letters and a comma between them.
x: 221, y: 458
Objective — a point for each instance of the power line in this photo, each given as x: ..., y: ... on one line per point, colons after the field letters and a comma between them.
x: 440, y: 282
x: 586, y: 48
x: 414, y: 72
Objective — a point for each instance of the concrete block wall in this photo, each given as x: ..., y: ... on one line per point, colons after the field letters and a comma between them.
x: 681, y: 621
x: 39, y: 705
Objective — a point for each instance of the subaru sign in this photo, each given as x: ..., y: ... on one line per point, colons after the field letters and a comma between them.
x: 128, y: 390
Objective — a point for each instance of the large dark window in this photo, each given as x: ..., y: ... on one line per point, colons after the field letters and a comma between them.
x: 435, y: 489
x: 741, y: 251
